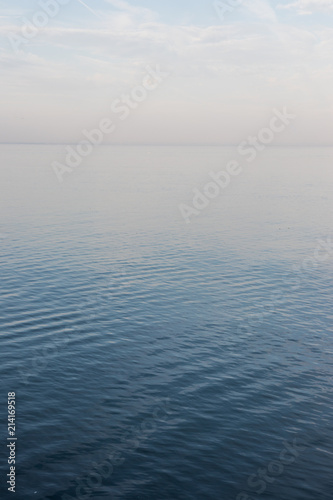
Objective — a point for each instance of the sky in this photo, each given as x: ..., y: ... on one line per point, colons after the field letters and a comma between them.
x: 214, y: 70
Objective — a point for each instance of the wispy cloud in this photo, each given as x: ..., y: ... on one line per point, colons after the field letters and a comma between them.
x: 140, y: 13
x: 307, y: 7
x: 261, y: 9
x: 220, y: 70
x: 90, y: 9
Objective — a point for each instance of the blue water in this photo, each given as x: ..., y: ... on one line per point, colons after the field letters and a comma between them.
x: 158, y: 360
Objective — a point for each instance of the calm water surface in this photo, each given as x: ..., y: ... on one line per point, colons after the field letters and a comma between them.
x: 158, y: 360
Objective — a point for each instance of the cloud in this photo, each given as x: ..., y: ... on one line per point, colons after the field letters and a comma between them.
x: 139, y: 13
x: 261, y: 9
x: 73, y: 68
x: 307, y: 7
x: 222, y: 45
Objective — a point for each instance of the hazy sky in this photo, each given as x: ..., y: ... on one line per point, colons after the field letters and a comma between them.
x: 228, y: 69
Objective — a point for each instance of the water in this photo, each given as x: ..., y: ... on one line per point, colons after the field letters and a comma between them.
x: 154, y: 359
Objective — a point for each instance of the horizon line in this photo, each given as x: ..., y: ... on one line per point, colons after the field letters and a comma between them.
x: 163, y: 144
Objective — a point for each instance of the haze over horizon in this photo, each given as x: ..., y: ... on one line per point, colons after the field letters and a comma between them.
x: 224, y: 71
